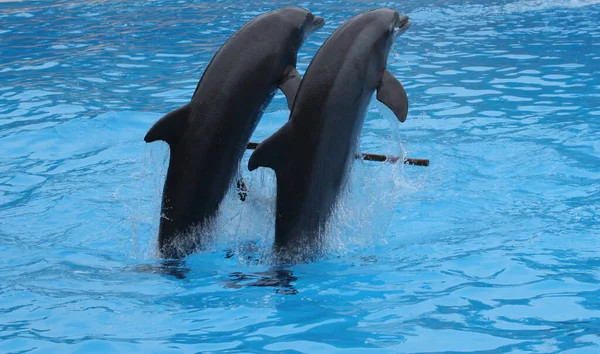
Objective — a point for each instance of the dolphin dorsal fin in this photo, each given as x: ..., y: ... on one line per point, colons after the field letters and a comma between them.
x: 170, y: 127
x: 391, y: 93
x: 272, y: 151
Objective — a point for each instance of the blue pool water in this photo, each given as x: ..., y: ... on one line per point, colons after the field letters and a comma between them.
x: 493, y: 248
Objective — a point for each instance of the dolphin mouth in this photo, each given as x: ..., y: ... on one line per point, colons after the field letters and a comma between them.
x: 402, y: 24
x: 316, y: 24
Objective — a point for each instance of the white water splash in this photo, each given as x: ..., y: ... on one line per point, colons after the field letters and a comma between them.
x: 246, y: 228
x: 144, y: 214
x: 360, y: 219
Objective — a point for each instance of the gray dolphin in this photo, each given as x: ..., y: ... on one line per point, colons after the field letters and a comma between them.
x: 312, y: 153
x: 207, y: 137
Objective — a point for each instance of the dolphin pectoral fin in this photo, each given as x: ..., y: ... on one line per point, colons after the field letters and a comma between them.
x: 391, y: 93
x: 271, y: 152
x: 170, y: 127
x: 289, y: 86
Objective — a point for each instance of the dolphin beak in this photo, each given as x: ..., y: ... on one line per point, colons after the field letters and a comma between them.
x: 317, y: 23
x: 401, y: 25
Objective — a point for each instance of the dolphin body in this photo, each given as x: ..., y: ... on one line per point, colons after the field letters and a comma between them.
x: 207, y: 137
x: 312, y: 153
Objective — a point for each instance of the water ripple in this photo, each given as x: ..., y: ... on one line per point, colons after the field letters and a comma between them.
x: 493, y: 248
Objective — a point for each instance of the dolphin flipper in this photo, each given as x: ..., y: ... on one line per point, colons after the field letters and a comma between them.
x: 271, y: 152
x: 391, y: 93
x: 289, y: 86
x: 170, y: 127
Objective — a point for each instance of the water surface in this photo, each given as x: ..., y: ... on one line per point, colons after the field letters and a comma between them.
x: 493, y: 248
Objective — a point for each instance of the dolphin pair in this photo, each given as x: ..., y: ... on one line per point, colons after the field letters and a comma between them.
x: 207, y: 137
x: 310, y: 154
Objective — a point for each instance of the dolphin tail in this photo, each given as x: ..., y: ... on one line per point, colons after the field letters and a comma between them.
x: 170, y: 127
x: 391, y: 93
x: 271, y: 152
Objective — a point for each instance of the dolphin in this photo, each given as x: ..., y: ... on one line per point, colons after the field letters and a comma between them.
x: 207, y: 137
x: 312, y: 153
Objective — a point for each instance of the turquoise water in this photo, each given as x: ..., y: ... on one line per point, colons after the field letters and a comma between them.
x: 493, y: 248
